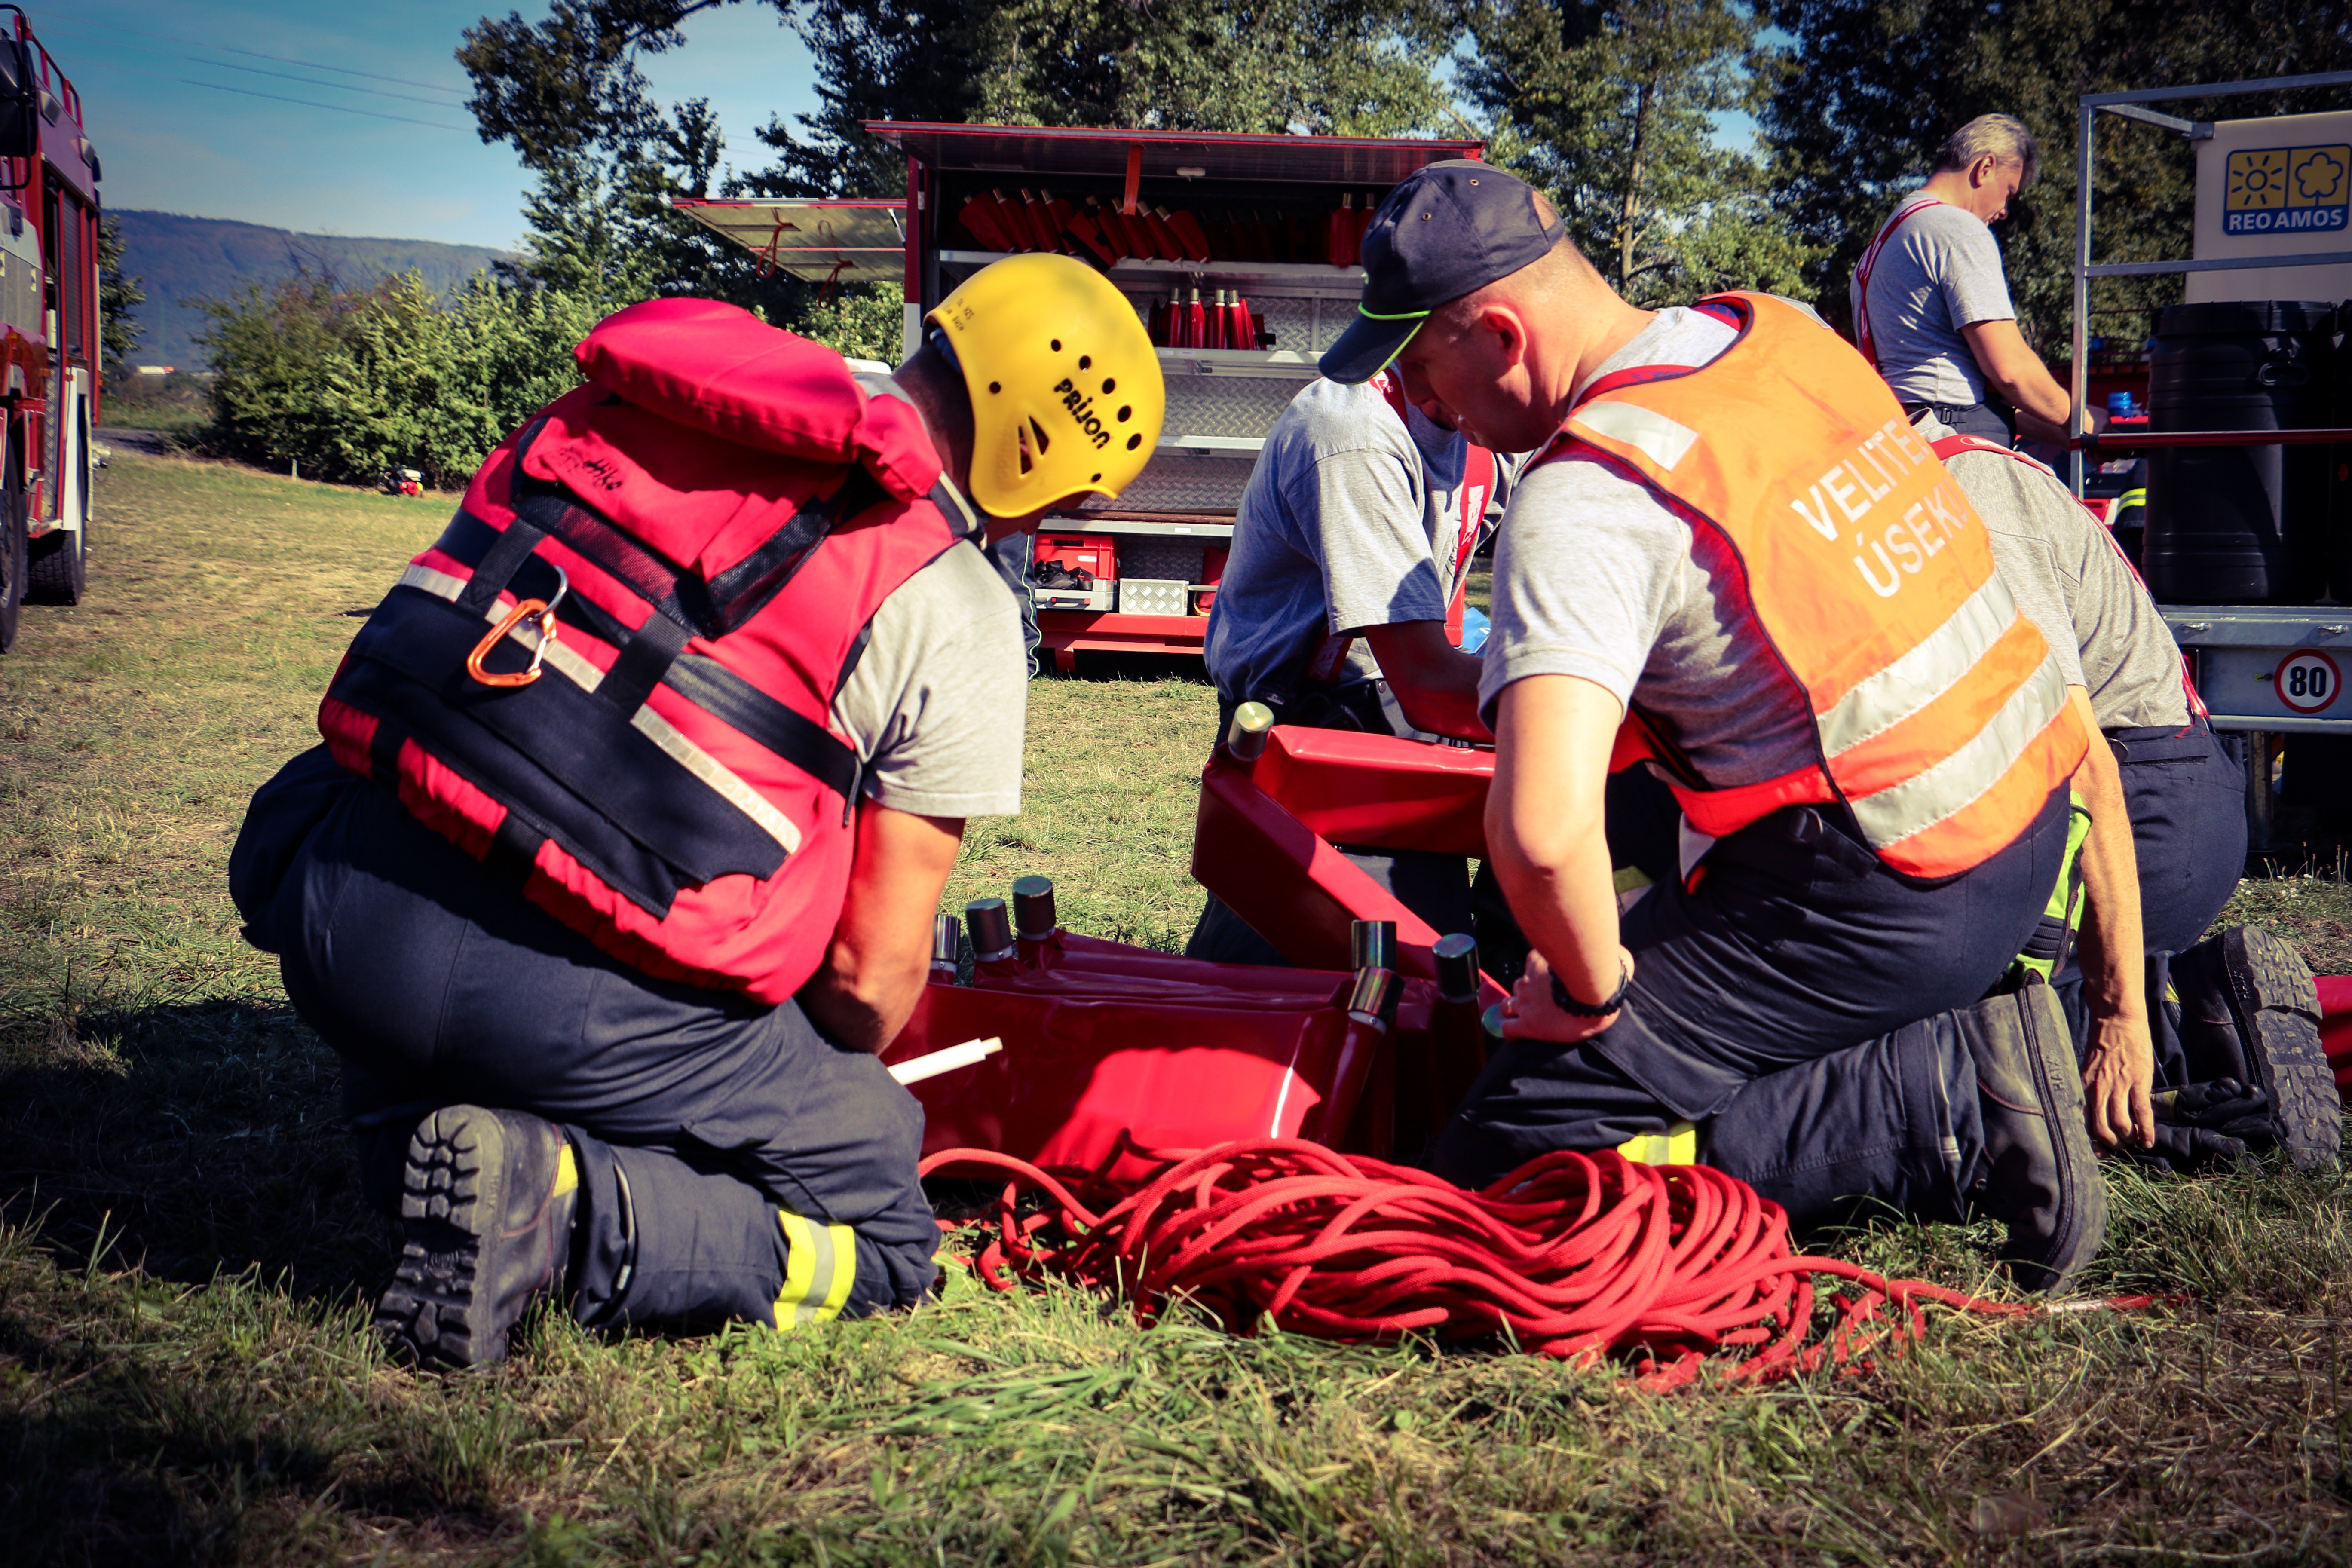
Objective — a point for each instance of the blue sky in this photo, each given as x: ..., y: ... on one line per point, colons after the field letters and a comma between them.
x: 212, y: 153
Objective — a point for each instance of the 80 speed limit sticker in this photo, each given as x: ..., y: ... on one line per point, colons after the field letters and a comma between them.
x: 2307, y: 682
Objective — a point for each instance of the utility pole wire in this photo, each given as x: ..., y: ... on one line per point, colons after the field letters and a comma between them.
x: 256, y: 70
x: 275, y: 97
x: 250, y: 54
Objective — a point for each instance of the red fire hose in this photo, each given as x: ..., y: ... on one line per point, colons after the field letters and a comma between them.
x: 1575, y: 1256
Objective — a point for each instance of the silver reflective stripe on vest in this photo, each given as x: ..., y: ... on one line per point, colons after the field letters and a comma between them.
x: 1919, y: 676
x: 645, y: 721
x: 716, y: 774
x: 1661, y: 439
x: 583, y: 674
x: 440, y: 585
x: 1951, y: 786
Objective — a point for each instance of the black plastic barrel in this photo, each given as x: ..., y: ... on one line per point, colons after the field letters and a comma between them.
x: 2239, y: 525
x: 2339, y: 476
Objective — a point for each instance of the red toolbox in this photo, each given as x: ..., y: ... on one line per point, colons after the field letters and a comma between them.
x: 1095, y: 554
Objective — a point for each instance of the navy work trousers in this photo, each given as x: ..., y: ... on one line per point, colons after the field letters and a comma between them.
x: 696, y: 1116
x: 2187, y: 797
x: 1782, y: 996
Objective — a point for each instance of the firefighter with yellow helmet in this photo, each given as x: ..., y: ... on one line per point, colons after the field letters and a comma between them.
x: 637, y: 794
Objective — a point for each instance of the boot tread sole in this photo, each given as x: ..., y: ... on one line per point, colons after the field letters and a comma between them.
x: 452, y: 1196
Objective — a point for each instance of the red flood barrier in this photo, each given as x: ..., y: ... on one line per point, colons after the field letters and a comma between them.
x: 2336, y: 1028
x: 1109, y: 1046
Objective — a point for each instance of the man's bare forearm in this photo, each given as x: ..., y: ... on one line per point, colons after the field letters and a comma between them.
x: 1434, y: 683
x: 2013, y: 369
x: 1545, y: 830
x: 879, y: 958
x: 862, y: 1008
x: 2111, y: 938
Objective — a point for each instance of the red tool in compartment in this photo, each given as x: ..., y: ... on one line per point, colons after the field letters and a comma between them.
x: 1108, y: 1047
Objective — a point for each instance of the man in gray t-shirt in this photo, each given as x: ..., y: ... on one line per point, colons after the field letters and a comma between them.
x: 2183, y: 796
x: 1348, y: 539
x: 1350, y: 546
x: 1931, y: 307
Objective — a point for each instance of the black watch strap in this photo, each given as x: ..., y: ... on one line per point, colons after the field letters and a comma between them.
x: 1570, y: 1005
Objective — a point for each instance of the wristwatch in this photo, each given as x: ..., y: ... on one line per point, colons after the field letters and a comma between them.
x: 1570, y: 1005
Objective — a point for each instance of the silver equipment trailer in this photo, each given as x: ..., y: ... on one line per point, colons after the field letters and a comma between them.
x: 2266, y: 671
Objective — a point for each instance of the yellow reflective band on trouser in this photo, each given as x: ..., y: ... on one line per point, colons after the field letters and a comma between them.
x: 1677, y: 1146
x: 820, y: 1266
x: 567, y: 1171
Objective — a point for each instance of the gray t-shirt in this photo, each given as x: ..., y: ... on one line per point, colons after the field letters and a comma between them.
x: 937, y: 703
x: 1939, y: 272
x: 1595, y: 577
x: 2071, y: 581
x: 1338, y: 530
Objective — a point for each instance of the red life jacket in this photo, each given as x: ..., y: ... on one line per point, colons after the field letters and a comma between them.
x: 715, y: 519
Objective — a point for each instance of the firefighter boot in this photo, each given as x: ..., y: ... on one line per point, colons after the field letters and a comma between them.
x: 487, y: 1204
x: 2039, y: 1174
x: 2248, y: 1011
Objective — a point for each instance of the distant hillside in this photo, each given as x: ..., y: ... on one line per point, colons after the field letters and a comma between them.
x: 183, y: 259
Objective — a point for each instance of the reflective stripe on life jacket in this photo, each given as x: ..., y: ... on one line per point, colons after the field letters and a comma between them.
x: 1940, y: 711
x: 669, y: 785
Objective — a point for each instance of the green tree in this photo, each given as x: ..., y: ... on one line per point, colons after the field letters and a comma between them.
x: 1884, y: 81
x: 119, y: 298
x: 1611, y: 108
x: 566, y: 92
x: 862, y: 323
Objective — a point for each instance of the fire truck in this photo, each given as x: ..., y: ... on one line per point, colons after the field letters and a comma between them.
x: 49, y: 328
x: 1238, y: 251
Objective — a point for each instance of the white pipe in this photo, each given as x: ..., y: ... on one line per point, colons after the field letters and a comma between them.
x: 971, y: 1053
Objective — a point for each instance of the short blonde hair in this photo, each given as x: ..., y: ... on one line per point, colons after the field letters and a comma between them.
x: 2004, y: 136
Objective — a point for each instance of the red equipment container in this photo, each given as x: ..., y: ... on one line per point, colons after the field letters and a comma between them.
x: 1094, y: 554
x: 1108, y: 1047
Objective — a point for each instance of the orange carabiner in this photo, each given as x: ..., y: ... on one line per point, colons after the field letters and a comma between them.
x: 524, y: 610
x: 507, y: 623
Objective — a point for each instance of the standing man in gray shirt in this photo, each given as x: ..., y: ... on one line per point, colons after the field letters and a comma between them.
x: 1931, y: 308
x: 1351, y: 544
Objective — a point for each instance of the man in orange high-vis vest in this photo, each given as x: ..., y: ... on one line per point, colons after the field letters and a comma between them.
x: 1735, y: 564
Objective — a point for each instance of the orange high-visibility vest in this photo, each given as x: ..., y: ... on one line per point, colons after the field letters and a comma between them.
x: 1940, y: 712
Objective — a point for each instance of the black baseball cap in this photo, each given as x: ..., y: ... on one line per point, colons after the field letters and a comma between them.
x: 1448, y: 230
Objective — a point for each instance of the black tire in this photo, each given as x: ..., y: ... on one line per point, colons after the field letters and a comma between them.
x: 55, y: 571
x: 14, y: 563
x: 58, y: 570
x: 2278, y: 1013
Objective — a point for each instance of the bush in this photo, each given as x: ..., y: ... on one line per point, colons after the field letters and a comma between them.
x: 348, y: 382
x: 860, y: 323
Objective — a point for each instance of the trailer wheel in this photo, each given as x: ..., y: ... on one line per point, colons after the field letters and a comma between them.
x: 13, y: 562
x: 57, y: 563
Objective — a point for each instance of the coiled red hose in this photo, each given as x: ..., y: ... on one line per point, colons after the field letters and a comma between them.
x: 1575, y: 1256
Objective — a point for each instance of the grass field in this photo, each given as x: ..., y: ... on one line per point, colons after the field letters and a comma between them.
x: 184, y: 1373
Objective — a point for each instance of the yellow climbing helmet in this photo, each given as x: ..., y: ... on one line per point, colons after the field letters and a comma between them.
x: 1065, y: 391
